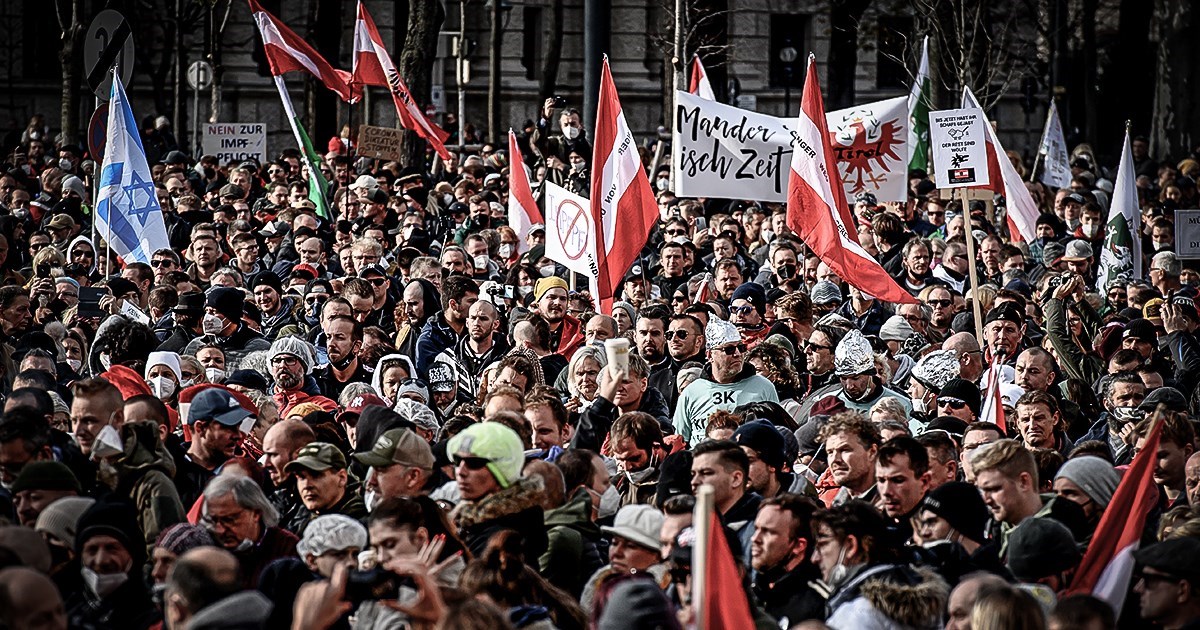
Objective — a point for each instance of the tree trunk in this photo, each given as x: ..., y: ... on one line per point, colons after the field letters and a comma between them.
x: 553, y: 51
x: 844, y: 18
x: 1176, y: 122
x: 425, y: 19
x: 495, y: 53
x: 1091, y: 105
x: 72, y: 31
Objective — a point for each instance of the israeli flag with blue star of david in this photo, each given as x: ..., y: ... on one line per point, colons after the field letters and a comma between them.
x: 128, y: 216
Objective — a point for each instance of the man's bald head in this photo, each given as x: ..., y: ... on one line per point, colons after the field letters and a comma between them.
x: 970, y: 355
x: 961, y: 342
x: 29, y: 599
x: 201, y: 578
x: 292, y: 434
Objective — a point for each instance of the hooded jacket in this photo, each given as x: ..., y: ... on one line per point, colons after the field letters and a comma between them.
x: 377, y: 375
x: 517, y: 507
x: 310, y: 391
x: 888, y: 596
x: 246, y: 610
x: 83, y: 239
x: 144, y: 474
x: 575, y: 547
x: 793, y: 595
x: 705, y: 395
x: 406, y: 333
x: 436, y: 336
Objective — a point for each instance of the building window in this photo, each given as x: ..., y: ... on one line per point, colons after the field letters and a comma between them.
x: 891, y: 51
x: 788, y: 41
x: 531, y: 46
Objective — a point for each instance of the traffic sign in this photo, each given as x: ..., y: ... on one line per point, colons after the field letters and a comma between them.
x: 200, y: 75
x: 109, y: 42
x: 97, y: 133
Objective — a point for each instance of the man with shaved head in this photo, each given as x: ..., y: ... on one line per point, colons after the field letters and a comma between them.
x: 280, y: 445
x: 205, y: 586
x: 29, y: 599
x: 970, y: 355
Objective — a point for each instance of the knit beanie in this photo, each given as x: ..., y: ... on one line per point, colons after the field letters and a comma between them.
x: 60, y: 519
x: 45, y: 476
x: 962, y: 506
x: 183, y: 537
x: 1095, y: 476
x: 115, y: 518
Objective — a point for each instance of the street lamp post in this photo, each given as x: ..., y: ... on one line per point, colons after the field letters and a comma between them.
x: 787, y: 55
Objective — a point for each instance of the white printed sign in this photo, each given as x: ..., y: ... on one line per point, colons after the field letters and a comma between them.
x: 570, y: 234
x: 727, y: 152
x: 959, y: 142
x: 235, y: 142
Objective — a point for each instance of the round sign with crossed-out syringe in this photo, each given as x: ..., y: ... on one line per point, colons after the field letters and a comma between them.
x: 574, y: 225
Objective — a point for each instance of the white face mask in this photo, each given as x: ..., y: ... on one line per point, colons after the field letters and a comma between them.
x: 546, y: 270
x: 663, y: 183
x: 481, y: 262
x: 370, y: 498
x: 103, y: 584
x: 1160, y: 246
x: 214, y: 375
x: 212, y: 324
x: 105, y: 361
x: 524, y: 291
x: 65, y: 164
x: 840, y: 570
x: 186, y: 383
x: 610, y: 502
x: 767, y: 235
x: 919, y: 407
x: 162, y: 387
x: 569, y: 132
x: 506, y: 251
x: 75, y: 365
x: 1091, y: 229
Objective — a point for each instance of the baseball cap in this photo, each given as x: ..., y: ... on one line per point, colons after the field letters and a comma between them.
x: 317, y: 456
x: 1078, y: 250
x: 216, y: 404
x: 398, y: 446
x: 365, y: 181
x: 494, y: 442
x: 442, y: 377
x: 356, y: 407
x: 374, y: 269
x: 639, y: 524
x: 231, y: 190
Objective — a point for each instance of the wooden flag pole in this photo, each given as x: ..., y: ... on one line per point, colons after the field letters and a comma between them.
x: 701, y: 525
x: 973, y: 274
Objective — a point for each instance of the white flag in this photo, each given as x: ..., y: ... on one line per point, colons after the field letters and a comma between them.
x: 1056, y: 163
x: 1121, y: 255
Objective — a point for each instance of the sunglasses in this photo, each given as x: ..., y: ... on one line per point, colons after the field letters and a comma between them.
x: 681, y: 334
x: 740, y: 310
x: 678, y: 298
x: 952, y: 403
x: 731, y: 350
x: 162, y: 263
x: 472, y: 463
x: 813, y: 347
x: 377, y: 282
x: 939, y: 303
x: 316, y: 299
x: 82, y: 252
x: 676, y: 233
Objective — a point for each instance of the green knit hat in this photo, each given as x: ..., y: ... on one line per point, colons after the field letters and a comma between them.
x: 45, y: 476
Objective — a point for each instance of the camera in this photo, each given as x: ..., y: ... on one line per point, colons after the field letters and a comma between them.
x: 559, y: 102
x: 374, y: 584
x: 43, y: 270
x: 505, y: 291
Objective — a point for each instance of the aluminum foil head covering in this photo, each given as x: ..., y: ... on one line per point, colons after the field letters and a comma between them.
x: 720, y: 332
x: 936, y: 369
x: 853, y: 355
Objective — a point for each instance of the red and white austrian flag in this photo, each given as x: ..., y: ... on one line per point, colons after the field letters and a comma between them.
x: 288, y: 52
x: 373, y: 66
x: 620, y: 190
x: 817, y: 210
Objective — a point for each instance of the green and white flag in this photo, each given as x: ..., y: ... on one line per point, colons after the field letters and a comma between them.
x: 918, y: 114
x: 317, y: 187
x: 1121, y: 256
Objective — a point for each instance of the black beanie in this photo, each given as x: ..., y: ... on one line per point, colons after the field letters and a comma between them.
x: 962, y: 506
x: 114, y: 518
x: 674, y: 477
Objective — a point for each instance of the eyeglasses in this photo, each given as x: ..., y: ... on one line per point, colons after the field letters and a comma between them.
x: 316, y: 299
x: 472, y: 463
x: 731, y: 350
x: 188, y: 375
x: 740, y: 310
x: 162, y: 262
x: 222, y: 521
x: 285, y: 360
x: 1156, y: 578
x: 671, y: 334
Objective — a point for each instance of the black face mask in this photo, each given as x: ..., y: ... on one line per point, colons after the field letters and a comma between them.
x: 787, y: 272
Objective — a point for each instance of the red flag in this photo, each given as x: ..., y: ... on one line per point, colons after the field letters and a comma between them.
x: 522, y: 209
x: 817, y: 209
x: 621, y: 189
x: 1107, y: 567
x: 1021, y: 211
x: 698, y: 84
x: 725, y: 605
x: 288, y: 52
x: 373, y: 66
x: 993, y: 402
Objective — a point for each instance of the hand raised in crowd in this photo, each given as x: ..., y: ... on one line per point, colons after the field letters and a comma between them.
x: 548, y: 108
x: 427, y: 608
x: 1173, y: 318
x: 321, y: 603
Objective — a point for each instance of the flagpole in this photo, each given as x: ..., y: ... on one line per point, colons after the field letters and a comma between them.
x: 973, y: 274
x: 290, y: 111
x: 108, y: 252
x: 701, y: 525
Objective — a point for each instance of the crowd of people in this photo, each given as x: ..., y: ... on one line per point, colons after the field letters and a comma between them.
x: 398, y: 412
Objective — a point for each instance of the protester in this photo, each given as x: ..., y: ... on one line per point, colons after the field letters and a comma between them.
x: 342, y: 389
